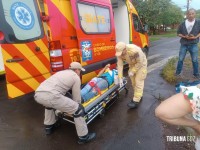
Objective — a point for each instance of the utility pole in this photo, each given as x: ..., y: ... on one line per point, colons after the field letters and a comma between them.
x: 188, y: 3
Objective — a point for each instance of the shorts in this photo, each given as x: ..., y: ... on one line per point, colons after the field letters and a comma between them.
x: 192, y: 93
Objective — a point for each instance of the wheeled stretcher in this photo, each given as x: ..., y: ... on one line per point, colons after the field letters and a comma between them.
x: 97, y: 105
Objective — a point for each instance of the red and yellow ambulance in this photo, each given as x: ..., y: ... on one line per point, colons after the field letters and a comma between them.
x: 40, y: 37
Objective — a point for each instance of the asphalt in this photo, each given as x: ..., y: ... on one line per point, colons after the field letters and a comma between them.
x: 121, y: 128
x: 21, y: 122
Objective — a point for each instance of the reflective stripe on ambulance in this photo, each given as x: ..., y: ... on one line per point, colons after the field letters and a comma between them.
x: 25, y: 76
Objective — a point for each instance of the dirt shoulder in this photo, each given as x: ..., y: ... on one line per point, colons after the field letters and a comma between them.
x: 177, y: 138
x: 180, y: 132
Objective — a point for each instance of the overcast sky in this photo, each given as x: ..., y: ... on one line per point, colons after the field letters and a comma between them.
x: 183, y: 3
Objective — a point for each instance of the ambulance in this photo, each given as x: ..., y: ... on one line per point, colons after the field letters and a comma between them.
x: 41, y: 37
x: 2, y: 70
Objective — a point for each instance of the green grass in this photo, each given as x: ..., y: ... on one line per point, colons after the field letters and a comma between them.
x: 168, y: 34
x: 169, y: 69
x: 2, y: 72
x: 152, y: 39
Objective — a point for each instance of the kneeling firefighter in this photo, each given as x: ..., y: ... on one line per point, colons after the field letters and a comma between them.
x: 51, y: 94
x: 137, y: 61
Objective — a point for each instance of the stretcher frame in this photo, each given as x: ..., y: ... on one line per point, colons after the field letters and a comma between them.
x: 97, y: 105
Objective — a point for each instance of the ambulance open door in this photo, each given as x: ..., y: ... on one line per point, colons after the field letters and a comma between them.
x: 24, y: 46
x: 138, y: 35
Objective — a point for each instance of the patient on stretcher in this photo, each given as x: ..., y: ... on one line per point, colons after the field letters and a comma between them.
x: 104, y: 79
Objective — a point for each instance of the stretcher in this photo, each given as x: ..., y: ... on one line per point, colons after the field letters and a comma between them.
x: 97, y: 105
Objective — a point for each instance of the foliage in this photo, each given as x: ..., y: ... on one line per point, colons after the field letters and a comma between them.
x: 172, y: 15
x: 158, y: 13
x: 165, y: 35
x: 153, y: 38
x: 198, y: 14
x: 169, y: 70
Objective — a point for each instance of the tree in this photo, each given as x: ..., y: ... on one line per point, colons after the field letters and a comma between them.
x: 198, y: 14
x: 171, y: 16
x: 158, y: 13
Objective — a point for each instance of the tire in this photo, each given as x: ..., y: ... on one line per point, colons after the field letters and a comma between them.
x: 145, y: 51
x: 102, y: 114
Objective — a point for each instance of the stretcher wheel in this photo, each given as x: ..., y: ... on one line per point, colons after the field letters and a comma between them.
x: 102, y: 114
x: 126, y: 90
x: 117, y: 97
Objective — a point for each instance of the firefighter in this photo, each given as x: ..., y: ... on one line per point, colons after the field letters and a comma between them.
x: 51, y: 94
x: 137, y: 61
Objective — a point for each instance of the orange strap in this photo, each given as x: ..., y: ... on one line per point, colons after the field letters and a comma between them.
x: 97, y: 89
x: 94, y: 85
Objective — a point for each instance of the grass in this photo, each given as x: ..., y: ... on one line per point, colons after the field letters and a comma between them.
x: 167, y: 34
x: 2, y: 72
x: 152, y: 39
x: 170, y: 68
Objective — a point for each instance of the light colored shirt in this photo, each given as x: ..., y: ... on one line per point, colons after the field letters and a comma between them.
x: 189, y: 25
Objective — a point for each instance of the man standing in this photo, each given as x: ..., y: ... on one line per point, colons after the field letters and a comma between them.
x: 189, y: 31
x: 51, y: 94
x: 137, y: 61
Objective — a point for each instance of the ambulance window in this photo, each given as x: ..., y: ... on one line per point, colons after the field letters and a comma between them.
x: 20, y: 21
x: 94, y: 19
x: 137, y: 24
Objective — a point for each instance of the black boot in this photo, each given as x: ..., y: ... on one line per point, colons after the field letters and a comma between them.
x: 132, y: 104
x: 49, y: 129
x: 87, y: 138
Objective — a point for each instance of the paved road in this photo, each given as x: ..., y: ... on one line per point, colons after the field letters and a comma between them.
x: 21, y: 119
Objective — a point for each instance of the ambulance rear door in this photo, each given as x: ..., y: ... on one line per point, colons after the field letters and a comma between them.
x: 138, y: 35
x: 23, y: 45
x: 95, y: 32
x: 2, y: 70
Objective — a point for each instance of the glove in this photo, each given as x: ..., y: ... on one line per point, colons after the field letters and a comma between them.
x: 121, y: 84
x: 130, y: 74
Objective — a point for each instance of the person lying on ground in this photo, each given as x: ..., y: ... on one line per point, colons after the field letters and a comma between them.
x: 104, y: 79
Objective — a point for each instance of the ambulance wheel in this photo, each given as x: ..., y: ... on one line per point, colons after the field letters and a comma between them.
x: 102, y: 114
x: 146, y: 51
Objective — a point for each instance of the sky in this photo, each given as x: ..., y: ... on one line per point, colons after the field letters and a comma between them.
x: 183, y: 3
